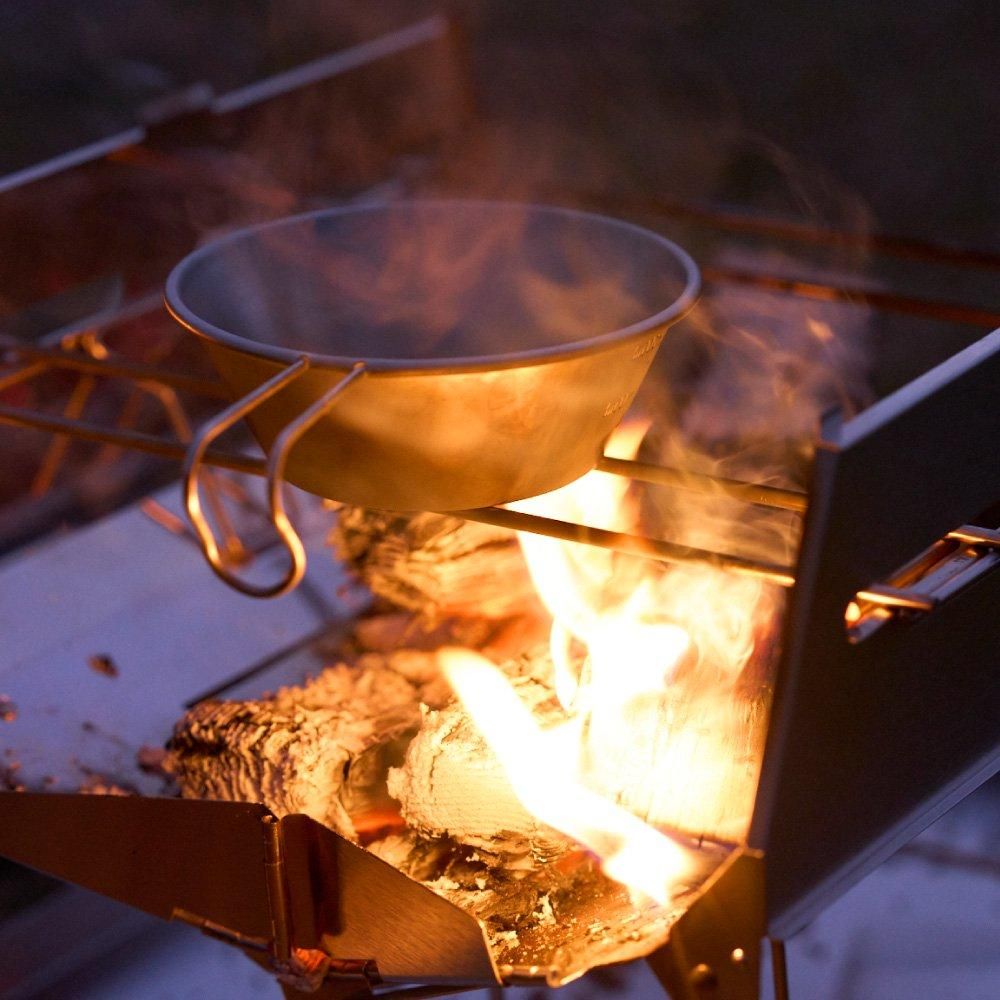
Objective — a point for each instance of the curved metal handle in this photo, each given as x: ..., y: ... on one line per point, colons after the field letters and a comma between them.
x: 277, y: 460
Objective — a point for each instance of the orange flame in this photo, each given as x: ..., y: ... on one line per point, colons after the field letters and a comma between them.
x: 644, y: 661
x: 540, y: 766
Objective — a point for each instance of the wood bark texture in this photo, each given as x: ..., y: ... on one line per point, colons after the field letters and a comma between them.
x: 451, y: 784
x: 435, y: 564
x: 321, y: 749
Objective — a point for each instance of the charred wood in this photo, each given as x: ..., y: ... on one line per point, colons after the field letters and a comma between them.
x: 436, y: 565
x: 321, y: 749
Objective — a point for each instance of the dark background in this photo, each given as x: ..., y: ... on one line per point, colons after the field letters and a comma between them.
x: 864, y: 116
x: 863, y: 113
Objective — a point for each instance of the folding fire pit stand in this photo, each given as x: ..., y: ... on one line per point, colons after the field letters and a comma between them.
x: 883, y: 719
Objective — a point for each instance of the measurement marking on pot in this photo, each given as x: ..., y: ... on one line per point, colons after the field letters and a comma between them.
x: 617, y: 405
x: 647, y: 346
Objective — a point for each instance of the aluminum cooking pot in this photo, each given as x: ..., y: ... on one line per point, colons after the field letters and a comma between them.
x: 433, y: 355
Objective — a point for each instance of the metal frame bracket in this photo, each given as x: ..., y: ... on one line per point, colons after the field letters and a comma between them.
x: 714, y: 949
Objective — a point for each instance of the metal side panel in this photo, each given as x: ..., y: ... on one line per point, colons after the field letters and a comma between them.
x: 356, y: 907
x: 159, y: 855
x: 869, y: 743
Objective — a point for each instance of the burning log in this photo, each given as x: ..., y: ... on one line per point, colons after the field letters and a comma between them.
x: 647, y: 719
x: 321, y: 749
x: 690, y: 764
x: 326, y: 748
x: 436, y: 565
x: 452, y: 784
x: 383, y: 737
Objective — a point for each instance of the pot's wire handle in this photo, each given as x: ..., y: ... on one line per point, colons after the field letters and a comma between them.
x: 276, y: 463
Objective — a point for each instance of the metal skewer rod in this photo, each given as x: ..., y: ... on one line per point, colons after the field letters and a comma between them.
x: 650, y: 548
x: 55, y: 358
x: 25, y: 374
x: 909, y: 305
x: 136, y: 440
x: 734, y: 219
x: 766, y: 496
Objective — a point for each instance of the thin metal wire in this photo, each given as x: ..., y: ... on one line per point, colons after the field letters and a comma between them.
x: 161, y: 385
x: 152, y: 444
x: 193, y: 462
x: 650, y: 548
x: 56, y: 358
x: 766, y: 496
x: 233, y: 547
x: 948, y: 312
x: 278, y: 460
x: 58, y: 446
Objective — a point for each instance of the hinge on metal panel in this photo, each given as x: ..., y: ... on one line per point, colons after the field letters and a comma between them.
x: 277, y: 890
x: 300, y: 970
x: 312, y: 971
x: 306, y: 970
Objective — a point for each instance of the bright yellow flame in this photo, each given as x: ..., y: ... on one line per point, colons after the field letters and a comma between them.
x: 540, y: 766
x: 606, y: 607
x: 644, y: 661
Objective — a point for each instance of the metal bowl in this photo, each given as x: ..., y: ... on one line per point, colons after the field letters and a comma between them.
x: 500, y: 343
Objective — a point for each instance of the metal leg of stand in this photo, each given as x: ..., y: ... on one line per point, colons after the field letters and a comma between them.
x: 779, y: 970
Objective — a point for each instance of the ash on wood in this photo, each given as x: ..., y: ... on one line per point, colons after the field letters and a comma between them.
x: 321, y: 749
x: 451, y: 784
x: 378, y: 749
x: 374, y: 739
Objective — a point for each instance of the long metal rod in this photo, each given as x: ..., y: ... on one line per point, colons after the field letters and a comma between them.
x: 650, y: 548
x: 331, y: 65
x: 25, y: 374
x: 136, y: 440
x: 735, y: 220
x: 766, y: 496
x: 55, y: 358
x: 948, y: 312
x: 72, y: 158
x: 517, y: 520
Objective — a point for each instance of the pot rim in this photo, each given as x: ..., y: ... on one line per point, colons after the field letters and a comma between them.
x: 680, y: 306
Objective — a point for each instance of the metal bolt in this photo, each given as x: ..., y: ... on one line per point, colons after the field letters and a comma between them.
x: 703, y: 978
